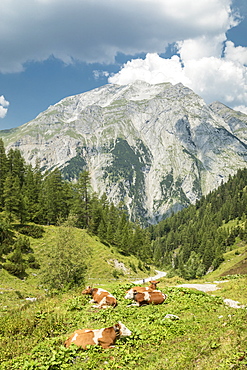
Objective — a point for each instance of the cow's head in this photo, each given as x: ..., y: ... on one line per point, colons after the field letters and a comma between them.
x: 88, y: 290
x: 154, y: 282
x: 130, y: 294
x: 121, y: 330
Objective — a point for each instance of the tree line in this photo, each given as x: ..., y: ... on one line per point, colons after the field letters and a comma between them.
x: 190, y: 242
x: 29, y: 196
x: 194, y: 240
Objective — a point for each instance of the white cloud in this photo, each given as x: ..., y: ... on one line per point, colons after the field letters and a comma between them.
x: 97, y: 74
x: 241, y: 108
x: 95, y: 31
x: 153, y: 69
x: 201, y: 47
x: 237, y: 54
x: 211, y: 77
x: 3, y: 106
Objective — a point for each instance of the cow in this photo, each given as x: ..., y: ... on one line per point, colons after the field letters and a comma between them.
x: 101, y: 297
x: 149, y: 288
x: 105, y: 337
x: 142, y: 298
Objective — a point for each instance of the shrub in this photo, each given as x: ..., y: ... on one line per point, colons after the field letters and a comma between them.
x: 66, y: 267
x: 35, y: 231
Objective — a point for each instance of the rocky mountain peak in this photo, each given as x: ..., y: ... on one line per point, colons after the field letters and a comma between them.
x: 157, y: 148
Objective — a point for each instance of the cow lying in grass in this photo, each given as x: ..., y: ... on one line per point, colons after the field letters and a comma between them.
x: 105, y: 337
x: 142, y: 298
x: 101, y: 297
x: 149, y: 288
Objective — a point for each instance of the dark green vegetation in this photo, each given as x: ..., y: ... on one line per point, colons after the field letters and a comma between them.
x: 194, y: 240
x: 191, y: 242
x: 28, y: 196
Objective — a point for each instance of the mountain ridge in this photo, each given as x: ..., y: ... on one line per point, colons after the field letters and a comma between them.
x: 156, y: 148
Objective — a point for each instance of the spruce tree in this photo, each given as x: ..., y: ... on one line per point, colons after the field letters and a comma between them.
x: 13, y: 200
x: 82, y: 201
x: 3, y: 172
x: 52, y: 201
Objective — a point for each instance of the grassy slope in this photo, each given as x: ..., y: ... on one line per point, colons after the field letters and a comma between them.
x: 209, y: 335
x: 100, y: 262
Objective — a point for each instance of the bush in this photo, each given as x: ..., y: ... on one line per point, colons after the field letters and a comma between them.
x: 117, y: 273
x: 32, y: 262
x: 34, y: 231
x: 16, y: 269
x: 66, y: 266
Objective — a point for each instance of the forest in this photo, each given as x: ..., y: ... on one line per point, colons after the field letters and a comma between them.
x: 189, y: 243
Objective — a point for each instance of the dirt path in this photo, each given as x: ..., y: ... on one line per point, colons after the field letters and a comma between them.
x: 155, y: 277
x: 208, y: 287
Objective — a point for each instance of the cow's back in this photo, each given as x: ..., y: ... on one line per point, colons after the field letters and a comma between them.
x: 157, y: 297
x: 81, y: 338
x: 103, y: 297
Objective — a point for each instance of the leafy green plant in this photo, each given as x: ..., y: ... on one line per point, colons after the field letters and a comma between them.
x: 66, y: 266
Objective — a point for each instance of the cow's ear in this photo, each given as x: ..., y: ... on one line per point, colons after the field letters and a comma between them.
x: 116, y: 327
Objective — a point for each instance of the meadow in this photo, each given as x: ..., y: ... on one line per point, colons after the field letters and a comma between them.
x: 204, y: 334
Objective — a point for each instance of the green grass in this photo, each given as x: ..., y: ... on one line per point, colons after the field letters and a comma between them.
x: 209, y: 335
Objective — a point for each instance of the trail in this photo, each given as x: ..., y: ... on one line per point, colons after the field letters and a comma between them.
x: 208, y: 287
x: 155, y: 277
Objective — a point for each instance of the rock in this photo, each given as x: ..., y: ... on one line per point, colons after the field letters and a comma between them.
x: 157, y: 147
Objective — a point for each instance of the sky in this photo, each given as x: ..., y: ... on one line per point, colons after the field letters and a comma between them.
x: 51, y: 49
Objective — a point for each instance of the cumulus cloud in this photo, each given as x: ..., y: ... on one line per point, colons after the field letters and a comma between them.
x: 241, y: 109
x: 237, y: 54
x: 212, y: 78
x: 95, y: 31
x: 3, y: 106
x: 209, y: 64
x: 153, y: 69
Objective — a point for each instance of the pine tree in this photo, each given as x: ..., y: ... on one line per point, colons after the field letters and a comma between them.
x: 3, y: 172
x: 13, y: 199
x: 16, y: 164
x: 82, y: 202
x: 53, y: 198
x: 30, y: 190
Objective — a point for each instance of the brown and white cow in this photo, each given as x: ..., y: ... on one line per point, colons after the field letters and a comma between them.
x: 105, y: 337
x: 149, y: 288
x: 101, y: 297
x: 142, y: 298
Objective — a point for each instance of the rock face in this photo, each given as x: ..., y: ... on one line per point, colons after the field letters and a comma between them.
x: 157, y: 148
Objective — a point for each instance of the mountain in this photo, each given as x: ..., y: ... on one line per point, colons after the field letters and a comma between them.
x: 157, y: 148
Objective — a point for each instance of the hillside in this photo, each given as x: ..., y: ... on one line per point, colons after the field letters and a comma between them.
x: 209, y: 334
x: 156, y: 148
x: 101, y: 260
x: 193, y: 241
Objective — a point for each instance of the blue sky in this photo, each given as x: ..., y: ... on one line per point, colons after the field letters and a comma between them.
x: 50, y: 49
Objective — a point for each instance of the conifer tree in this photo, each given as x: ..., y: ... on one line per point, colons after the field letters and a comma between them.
x: 31, y: 191
x: 16, y: 164
x: 82, y: 201
x: 3, y: 172
x: 52, y: 202
x: 13, y: 200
